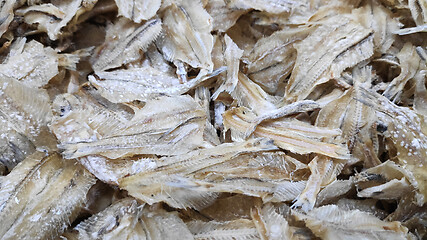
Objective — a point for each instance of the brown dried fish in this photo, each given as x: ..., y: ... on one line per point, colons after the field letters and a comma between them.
x: 41, y: 196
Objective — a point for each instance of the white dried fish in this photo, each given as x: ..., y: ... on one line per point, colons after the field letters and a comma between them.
x: 323, y: 171
x: 169, y: 172
x: 126, y: 219
x: 27, y: 63
x: 407, y: 131
x: 240, y: 229
x: 410, y: 65
x: 232, y: 55
x: 120, y: 220
x: 42, y: 196
x: 164, y: 126
x: 53, y: 17
x: 222, y: 15
x: 24, y: 113
x: 355, y: 120
x: 337, y: 44
x: 187, y: 37
x: 138, y: 10
x: 330, y: 222
x: 389, y: 181
x: 273, y: 57
x: 271, y: 6
x: 6, y: 14
x: 123, y: 42
x: 293, y: 135
x: 270, y: 224
x: 142, y: 84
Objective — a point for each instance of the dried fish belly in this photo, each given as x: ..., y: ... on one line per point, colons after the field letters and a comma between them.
x: 213, y: 119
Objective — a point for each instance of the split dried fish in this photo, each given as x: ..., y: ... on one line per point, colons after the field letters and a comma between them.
x: 42, y: 196
x: 346, y: 42
x: 123, y: 46
x: 23, y: 125
x: 330, y: 222
x: 187, y: 36
x: 52, y: 17
x: 213, y: 119
x: 149, y: 131
x: 138, y: 10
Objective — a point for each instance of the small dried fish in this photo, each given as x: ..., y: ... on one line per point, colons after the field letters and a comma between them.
x: 293, y: 135
x: 395, y: 182
x: 337, y: 44
x: 142, y: 84
x: 169, y: 172
x: 270, y: 6
x: 323, y: 171
x: 138, y: 10
x: 222, y: 15
x: 187, y: 36
x: 126, y: 219
x: 119, y: 220
x: 270, y: 224
x: 273, y: 57
x: 26, y: 62
x: 331, y: 222
x: 213, y: 230
x: 123, y: 42
x: 24, y: 113
x: 52, y: 17
x: 410, y: 64
x: 165, y: 126
x: 407, y: 131
x: 41, y: 196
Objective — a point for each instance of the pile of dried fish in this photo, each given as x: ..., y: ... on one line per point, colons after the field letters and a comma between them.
x: 213, y: 119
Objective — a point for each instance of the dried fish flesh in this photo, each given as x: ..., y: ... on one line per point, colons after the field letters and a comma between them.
x: 42, y: 196
x: 213, y: 119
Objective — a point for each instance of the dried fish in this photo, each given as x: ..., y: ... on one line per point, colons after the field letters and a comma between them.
x: 331, y: 222
x: 293, y: 135
x: 164, y: 126
x: 123, y: 42
x: 222, y: 15
x: 187, y: 36
x: 271, y: 6
x: 406, y: 129
x: 213, y: 119
x: 273, y: 57
x: 24, y: 114
x: 138, y: 10
x: 120, y: 220
x: 126, y: 219
x: 323, y: 171
x: 270, y: 224
x: 337, y: 44
x: 142, y: 84
x: 26, y: 63
x: 236, y: 229
x: 53, y: 17
x: 41, y: 196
